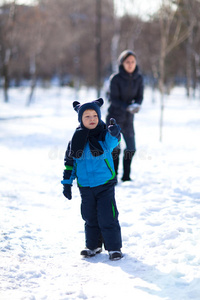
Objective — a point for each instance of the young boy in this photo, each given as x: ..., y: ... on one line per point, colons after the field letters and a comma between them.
x: 88, y: 158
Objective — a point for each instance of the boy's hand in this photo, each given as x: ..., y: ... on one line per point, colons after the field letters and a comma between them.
x: 67, y: 191
x: 114, y: 128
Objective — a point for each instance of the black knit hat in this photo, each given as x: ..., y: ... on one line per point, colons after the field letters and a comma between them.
x: 95, y: 105
x: 124, y: 55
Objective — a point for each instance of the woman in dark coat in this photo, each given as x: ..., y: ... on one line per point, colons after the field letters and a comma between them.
x: 125, y: 96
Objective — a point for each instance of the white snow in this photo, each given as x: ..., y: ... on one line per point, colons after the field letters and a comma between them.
x: 42, y: 233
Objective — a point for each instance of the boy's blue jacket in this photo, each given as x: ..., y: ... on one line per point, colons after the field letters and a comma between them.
x: 89, y: 170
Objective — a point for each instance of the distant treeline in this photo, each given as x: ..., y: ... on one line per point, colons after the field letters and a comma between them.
x: 71, y: 39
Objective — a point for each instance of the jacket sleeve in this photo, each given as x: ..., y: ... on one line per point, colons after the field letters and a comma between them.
x: 69, y: 173
x: 112, y: 141
x: 139, y: 98
x: 115, y: 97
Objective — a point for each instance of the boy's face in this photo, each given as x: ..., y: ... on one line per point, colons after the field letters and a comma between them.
x: 90, y: 118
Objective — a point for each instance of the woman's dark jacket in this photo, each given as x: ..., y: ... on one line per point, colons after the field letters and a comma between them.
x: 124, y: 88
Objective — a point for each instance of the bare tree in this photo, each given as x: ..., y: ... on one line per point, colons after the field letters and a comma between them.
x: 189, y: 9
x: 148, y: 47
x: 7, y: 36
x: 169, y: 20
x: 55, y: 38
x: 36, y: 37
x: 196, y: 55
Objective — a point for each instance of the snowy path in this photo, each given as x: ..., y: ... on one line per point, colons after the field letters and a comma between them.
x: 42, y: 233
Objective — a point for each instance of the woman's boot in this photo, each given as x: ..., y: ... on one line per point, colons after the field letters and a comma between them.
x: 128, y: 155
x: 115, y: 155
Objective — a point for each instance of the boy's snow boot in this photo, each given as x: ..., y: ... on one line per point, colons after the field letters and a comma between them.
x: 128, y: 155
x: 115, y: 155
x: 89, y: 253
x: 115, y: 255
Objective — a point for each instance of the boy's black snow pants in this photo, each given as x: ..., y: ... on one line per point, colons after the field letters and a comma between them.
x: 99, y: 211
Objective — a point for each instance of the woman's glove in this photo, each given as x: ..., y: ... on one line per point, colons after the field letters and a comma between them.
x: 113, y: 128
x: 133, y: 108
x: 67, y: 191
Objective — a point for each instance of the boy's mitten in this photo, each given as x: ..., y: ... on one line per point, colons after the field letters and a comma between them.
x: 67, y: 191
x: 114, y: 128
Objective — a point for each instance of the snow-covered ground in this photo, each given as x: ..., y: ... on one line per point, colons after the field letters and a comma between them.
x: 42, y: 233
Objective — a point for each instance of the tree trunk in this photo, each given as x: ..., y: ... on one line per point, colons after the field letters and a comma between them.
x: 115, y: 44
x: 161, y: 83
x: 33, y: 79
x: 6, y: 83
x: 189, y: 65
x: 197, y: 69
x: 98, y: 46
x: 114, y: 51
